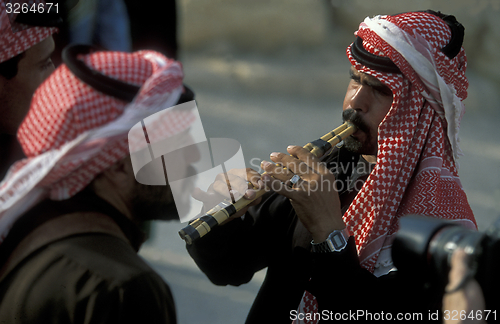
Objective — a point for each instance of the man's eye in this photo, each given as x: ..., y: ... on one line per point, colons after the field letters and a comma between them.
x: 356, y: 78
x: 383, y: 91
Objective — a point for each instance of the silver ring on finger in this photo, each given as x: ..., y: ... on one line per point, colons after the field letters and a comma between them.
x: 293, y: 181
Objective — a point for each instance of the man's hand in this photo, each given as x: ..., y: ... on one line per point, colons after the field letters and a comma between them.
x: 234, y: 184
x: 466, y: 300
x: 314, y: 197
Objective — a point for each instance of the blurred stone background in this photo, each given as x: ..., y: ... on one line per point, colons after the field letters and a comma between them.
x: 274, y: 73
x: 221, y: 28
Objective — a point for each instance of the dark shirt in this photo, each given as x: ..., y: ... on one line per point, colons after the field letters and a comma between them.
x: 267, y: 236
x: 90, y: 276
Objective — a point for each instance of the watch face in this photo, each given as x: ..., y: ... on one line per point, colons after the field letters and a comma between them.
x: 338, y: 241
x: 335, y: 242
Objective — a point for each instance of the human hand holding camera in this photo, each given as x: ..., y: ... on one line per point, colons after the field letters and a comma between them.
x: 463, y: 294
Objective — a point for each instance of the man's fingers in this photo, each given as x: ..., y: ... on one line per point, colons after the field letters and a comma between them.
x: 247, y: 175
x: 300, y: 161
x: 291, y: 163
x: 254, y: 178
x: 276, y: 171
x: 209, y: 199
x: 232, y: 185
x: 458, y: 276
x: 201, y: 195
x: 308, y: 158
x: 459, y: 266
x: 278, y: 186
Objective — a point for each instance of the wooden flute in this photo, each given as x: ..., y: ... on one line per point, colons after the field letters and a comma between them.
x: 215, y: 216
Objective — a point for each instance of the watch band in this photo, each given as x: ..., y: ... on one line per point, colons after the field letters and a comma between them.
x: 335, y: 242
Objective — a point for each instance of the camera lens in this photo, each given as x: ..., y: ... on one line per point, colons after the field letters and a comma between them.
x: 423, y: 247
x: 445, y: 242
x: 409, y: 249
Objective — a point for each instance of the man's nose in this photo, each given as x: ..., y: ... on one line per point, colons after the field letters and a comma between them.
x: 361, y: 98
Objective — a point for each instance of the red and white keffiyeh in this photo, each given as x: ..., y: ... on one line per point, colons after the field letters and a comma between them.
x: 416, y: 170
x: 17, y: 38
x: 73, y: 132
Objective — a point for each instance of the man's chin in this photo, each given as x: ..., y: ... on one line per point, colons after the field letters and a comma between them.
x: 158, y: 203
x: 153, y: 203
x: 353, y: 145
x: 356, y: 146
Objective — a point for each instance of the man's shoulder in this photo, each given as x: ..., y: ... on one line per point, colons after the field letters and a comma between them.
x: 94, y: 260
x: 106, y: 255
x: 92, y: 271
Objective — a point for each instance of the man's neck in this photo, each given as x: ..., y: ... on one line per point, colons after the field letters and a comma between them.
x: 370, y: 158
x: 10, y: 151
x: 113, y: 197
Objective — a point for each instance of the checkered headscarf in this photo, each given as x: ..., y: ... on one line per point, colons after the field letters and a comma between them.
x: 416, y: 171
x: 73, y: 132
x: 17, y: 38
x: 417, y: 140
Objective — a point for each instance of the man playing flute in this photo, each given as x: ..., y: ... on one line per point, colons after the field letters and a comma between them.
x: 325, y: 233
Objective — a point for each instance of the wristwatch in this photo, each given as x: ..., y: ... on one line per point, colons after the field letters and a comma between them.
x: 336, y: 242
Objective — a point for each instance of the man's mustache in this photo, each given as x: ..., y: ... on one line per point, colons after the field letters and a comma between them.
x: 355, y: 118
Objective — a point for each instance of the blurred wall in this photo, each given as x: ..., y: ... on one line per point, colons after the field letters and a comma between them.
x: 256, y: 25
x: 269, y: 26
